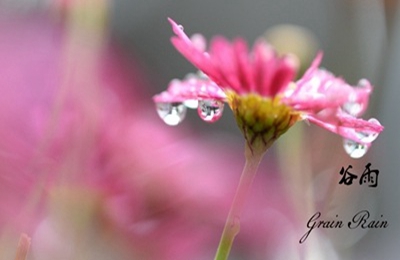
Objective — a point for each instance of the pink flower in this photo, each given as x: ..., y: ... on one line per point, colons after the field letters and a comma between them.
x: 260, y: 89
x: 86, y: 171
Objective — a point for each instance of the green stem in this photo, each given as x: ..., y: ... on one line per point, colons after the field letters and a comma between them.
x: 232, y: 224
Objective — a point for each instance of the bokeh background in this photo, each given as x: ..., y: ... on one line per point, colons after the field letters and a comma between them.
x: 88, y: 171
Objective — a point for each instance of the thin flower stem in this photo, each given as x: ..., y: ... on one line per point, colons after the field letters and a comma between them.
x: 232, y: 224
x: 23, y: 247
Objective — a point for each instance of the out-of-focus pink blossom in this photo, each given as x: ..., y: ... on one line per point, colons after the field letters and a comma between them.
x: 86, y: 169
x: 318, y: 96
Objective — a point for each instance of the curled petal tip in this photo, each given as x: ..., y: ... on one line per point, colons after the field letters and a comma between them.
x: 317, y: 61
x: 318, y: 57
x: 172, y: 22
x: 178, y: 29
x: 365, y: 85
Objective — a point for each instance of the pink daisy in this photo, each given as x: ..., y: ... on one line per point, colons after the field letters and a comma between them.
x: 259, y: 87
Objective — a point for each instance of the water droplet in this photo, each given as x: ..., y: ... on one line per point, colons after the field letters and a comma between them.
x: 193, y: 104
x: 197, y: 75
x: 201, y: 75
x: 171, y: 113
x: 189, y: 76
x: 305, y: 120
x: 210, y: 110
x: 363, y: 83
x: 368, y: 137
x: 354, y: 149
x: 352, y: 108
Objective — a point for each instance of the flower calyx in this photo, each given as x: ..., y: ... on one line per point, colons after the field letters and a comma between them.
x: 262, y: 120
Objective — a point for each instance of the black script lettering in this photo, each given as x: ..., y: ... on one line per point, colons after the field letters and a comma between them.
x: 361, y: 219
x: 311, y: 225
x: 314, y: 222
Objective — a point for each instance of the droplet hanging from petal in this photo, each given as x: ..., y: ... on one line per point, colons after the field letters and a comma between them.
x: 192, y: 103
x: 210, y: 110
x: 171, y: 113
x: 353, y: 149
x: 368, y: 137
x: 353, y: 108
x: 364, y: 83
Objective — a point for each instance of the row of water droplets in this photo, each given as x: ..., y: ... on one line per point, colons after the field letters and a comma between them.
x: 209, y: 110
x: 173, y: 113
x: 352, y: 148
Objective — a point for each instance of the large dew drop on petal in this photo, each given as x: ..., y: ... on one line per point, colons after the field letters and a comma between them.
x: 353, y: 149
x: 371, y: 136
x: 171, y: 113
x: 210, y: 110
x: 367, y: 137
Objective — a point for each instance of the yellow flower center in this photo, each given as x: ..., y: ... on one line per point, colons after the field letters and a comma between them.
x: 261, y: 119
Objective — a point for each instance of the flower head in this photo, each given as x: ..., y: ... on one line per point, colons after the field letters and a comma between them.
x: 259, y: 87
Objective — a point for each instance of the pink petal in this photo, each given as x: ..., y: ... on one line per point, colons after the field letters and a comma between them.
x: 192, y: 88
x: 272, y: 74
x: 319, y: 89
x: 284, y: 74
x: 199, y: 41
x: 331, y: 103
x: 347, y: 126
x: 178, y: 30
x: 194, y: 52
x: 231, y: 66
x: 263, y: 66
x: 221, y: 52
x: 243, y: 64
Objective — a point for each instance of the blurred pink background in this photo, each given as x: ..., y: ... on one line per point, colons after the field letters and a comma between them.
x: 89, y: 171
